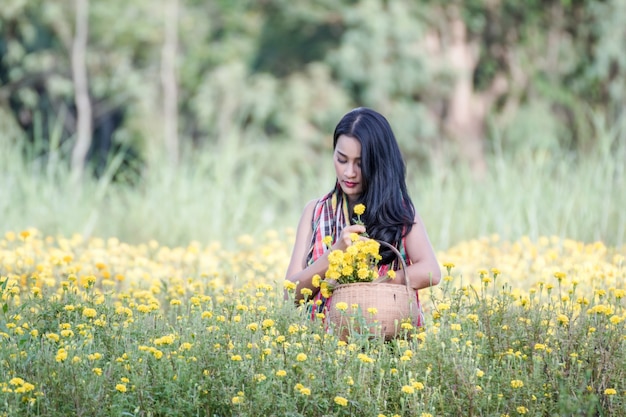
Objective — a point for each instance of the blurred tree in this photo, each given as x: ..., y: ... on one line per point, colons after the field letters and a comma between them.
x: 161, y: 79
x: 81, y: 89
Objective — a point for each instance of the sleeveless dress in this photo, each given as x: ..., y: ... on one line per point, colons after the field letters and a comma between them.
x: 330, y: 216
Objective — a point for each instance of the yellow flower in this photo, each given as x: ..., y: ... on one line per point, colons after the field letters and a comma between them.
x: 359, y: 209
x: 89, y: 313
x: 341, y: 401
x: 281, y: 373
x: 521, y: 409
x: 316, y: 280
x: 408, y: 389
x: 562, y: 319
x: 516, y: 383
x: 61, y: 355
x: 417, y: 385
x: 610, y: 391
x: 301, y: 357
x: 341, y: 306
x: 328, y: 240
x: 121, y: 388
x: 97, y: 371
x: 289, y: 286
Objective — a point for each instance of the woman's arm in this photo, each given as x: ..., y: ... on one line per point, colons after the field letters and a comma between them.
x: 424, y: 270
x: 297, y: 270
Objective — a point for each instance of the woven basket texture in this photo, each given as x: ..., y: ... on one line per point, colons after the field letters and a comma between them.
x: 394, y: 303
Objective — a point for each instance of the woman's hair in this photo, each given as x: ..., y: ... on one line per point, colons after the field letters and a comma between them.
x: 389, y: 211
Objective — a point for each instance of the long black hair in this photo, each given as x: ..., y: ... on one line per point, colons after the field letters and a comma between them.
x: 389, y: 212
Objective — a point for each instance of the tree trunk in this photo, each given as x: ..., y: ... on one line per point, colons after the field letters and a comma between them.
x: 81, y: 90
x: 169, y: 82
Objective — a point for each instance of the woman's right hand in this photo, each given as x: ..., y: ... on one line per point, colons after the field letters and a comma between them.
x: 345, y: 239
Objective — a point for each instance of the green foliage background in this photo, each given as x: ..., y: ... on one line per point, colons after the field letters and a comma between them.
x: 261, y: 86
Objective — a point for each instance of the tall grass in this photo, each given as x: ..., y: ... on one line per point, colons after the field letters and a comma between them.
x: 220, y: 193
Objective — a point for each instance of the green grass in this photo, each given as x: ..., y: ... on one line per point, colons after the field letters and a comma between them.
x: 217, y: 194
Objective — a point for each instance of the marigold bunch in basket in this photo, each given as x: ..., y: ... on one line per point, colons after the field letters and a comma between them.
x: 358, y: 263
x: 377, y: 307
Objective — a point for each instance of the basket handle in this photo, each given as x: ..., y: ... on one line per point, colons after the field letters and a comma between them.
x: 401, y: 258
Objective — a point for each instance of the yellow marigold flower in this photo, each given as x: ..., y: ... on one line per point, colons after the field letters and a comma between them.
x: 267, y: 323
x: 391, y: 274
x: 325, y: 290
x: 354, y: 237
x: 610, y: 391
x: 306, y: 292
x: 253, y: 327
x: 236, y: 358
x: 16, y: 381
x: 364, y: 273
x: 237, y: 400
x: 406, y: 326
x: 408, y: 389
x: 289, y: 286
x: 516, y: 383
x: 97, y: 371
x: 562, y: 319
x: 316, y: 281
x: 443, y: 306
x: 301, y: 357
x: 559, y: 276
x: 359, y: 209
x: 448, y: 265
x: 121, y: 388
x: 616, y: 319
x: 341, y: 306
x: 26, y: 387
x: 540, y: 346
x: 281, y: 373
x: 372, y: 310
x: 341, y: 401
x: 165, y: 340
x: 417, y: 385
x: 61, y: 355
x: 328, y: 240
x: 521, y: 409
x: 89, y: 313
x: 364, y: 358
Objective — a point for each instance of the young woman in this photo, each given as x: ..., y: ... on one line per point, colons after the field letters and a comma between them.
x: 370, y: 171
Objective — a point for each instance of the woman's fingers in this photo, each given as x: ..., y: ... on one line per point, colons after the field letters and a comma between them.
x: 345, y: 239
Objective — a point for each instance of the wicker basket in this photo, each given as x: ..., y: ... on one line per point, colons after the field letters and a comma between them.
x: 394, y: 304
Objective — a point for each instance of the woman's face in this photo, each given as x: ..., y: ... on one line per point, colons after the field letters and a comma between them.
x: 347, y: 160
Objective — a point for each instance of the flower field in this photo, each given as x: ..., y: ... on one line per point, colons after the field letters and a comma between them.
x: 99, y: 327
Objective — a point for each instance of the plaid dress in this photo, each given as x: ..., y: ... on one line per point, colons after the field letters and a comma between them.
x: 330, y: 216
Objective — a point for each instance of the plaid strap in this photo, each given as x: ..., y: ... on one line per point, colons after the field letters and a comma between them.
x: 330, y: 216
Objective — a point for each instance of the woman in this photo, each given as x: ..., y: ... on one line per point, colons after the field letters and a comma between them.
x: 370, y: 171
